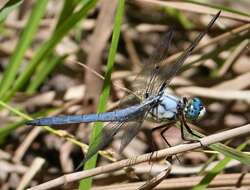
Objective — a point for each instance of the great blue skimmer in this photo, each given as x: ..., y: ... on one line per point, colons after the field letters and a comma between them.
x: 155, y: 103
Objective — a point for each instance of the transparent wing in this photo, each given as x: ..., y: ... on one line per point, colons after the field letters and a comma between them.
x: 130, y: 130
x: 167, y: 73
x: 144, y: 82
x: 160, y: 75
x: 145, y: 79
x: 103, y: 139
x: 150, y: 71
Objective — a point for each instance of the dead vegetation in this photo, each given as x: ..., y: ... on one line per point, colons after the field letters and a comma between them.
x: 218, y: 71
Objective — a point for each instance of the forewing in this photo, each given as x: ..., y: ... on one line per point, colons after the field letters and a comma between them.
x: 156, y: 73
x: 145, y: 80
x: 169, y: 72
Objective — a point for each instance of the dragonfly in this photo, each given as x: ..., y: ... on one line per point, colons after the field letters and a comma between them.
x: 155, y: 103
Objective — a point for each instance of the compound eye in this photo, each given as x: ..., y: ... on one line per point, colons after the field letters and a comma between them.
x: 194, y: 110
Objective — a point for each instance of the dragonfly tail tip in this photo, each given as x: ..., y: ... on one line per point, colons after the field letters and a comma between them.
x: 31, y: 122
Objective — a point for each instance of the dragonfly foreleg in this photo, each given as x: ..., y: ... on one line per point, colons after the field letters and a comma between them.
x: 153, y: 145
x: 190, y: 130
x: 184, y: 126
x: 165, y: 127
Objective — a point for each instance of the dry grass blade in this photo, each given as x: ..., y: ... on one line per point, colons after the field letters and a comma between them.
x: 185, y: 6
x: 233, y: 57
x: 20, y: 152
x: 223, y: 180
x: 59, y: 86
x: 101, y: 77
x: 98, y: 42
x: 238, y: 83
x: 225, y: 36
x: 35, y: 167
x: 216, y: 93
x: 157, y: 179
x: 205, y: 141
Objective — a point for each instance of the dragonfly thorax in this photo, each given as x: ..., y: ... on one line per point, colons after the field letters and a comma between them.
x: 194, y: 109
x: 167, y: 109
x: 170, y: 108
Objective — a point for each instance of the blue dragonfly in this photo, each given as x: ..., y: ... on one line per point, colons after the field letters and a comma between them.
x: 155, y: 103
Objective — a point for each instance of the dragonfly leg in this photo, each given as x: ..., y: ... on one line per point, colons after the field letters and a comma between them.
x: 192, y: 133
x: 165, y: 127
x: 183, y: 132
x: 190, y: 130
x: 185, y: 125
x: 164, y: 138
x: 153, y: 145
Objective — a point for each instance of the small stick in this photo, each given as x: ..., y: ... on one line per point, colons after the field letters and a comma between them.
x: 205, y: 141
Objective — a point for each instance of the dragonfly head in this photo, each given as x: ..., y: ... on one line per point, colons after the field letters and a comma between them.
x: 194, y: 109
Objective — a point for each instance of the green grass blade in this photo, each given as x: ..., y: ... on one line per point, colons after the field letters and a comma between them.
x: 215, y: 171
x: 49, y: 45
x: 5, y: 131
x: 22, y: 45
x: 8, y: 8
x: 15, y: 111
x: 86, y: 183
x: 178, y: 15
x: 51, y: 61
x: 229, y: 152
x: 232, y: 153
x: 68, y: 8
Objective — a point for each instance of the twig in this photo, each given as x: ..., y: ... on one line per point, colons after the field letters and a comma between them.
x: 100, y: 76
x: 222, y: 180
x: 19, y: 153
x: 216, y: 93
x: 205, y: 141
x: 233, y: 57
x: 98, y: 42
x: 35, y: 167
x: 157, y: 179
